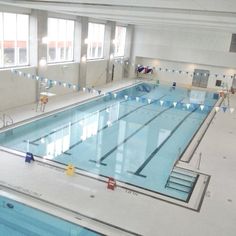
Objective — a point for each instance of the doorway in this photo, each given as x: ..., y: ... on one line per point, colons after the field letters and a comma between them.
x: 200, y: 78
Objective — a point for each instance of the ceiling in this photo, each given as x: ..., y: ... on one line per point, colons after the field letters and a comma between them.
x: 205, y: 14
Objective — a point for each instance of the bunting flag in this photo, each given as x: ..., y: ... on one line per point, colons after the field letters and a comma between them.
x: 49, y: 82
x: 224, y: 109
x: 167, y: 103
x: 150, y: 70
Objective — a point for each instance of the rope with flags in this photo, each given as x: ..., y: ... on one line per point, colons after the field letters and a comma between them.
x: 51, y: 82
x: 151, y: 69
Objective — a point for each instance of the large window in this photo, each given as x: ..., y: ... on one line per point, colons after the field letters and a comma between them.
x: 95, y: 40
x: 60, y: 40
x: 120, y: 41
x: 14, y: 34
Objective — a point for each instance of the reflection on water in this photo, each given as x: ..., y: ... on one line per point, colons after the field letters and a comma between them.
x: 197, y: 97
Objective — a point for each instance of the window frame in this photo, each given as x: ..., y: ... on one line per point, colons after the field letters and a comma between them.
x: 16, y: 48
x: 58, y: 60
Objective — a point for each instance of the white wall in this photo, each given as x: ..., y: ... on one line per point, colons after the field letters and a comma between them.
x: 183, y: 78
x: 96, y: 73
x: 16, y: 91
x: 184, y: 50
x: 196, y: 46
x: 118, y: 71
x: 66, y: 72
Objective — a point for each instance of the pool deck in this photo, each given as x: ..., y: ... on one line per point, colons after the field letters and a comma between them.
x: 124, y: 212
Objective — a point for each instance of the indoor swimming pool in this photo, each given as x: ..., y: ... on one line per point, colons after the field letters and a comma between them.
x: 134, y: 135
x: 17, y: 219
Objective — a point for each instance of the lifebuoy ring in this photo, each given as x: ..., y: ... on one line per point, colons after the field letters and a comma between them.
x: 44, y: 99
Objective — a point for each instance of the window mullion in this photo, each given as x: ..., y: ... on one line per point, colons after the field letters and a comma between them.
x: 3, y: 63
x: 2, y: 54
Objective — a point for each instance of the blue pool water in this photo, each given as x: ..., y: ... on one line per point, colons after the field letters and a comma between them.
x: 17, y: 219
x: 122, y: 135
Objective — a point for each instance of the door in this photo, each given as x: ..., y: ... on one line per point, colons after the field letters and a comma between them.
x: 200, y: 78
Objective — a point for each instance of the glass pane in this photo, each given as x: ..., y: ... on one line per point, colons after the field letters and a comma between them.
x: 120, y: 41
x: 23, y: 56
x: 51, y: 51
x: 52, y: 39
x: 70, y: 40
x: 60, y: 40
x: 9, y: 28
x: 95, y: 40
x: 22, y: 38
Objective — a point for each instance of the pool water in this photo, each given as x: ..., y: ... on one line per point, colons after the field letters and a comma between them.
x: 134, y: 135
x: 17, y: 219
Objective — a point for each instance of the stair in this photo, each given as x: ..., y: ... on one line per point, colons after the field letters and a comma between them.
x: 182, y: 180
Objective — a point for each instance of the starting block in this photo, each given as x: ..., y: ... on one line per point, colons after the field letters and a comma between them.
x: 111, y: 183
x: 70, y: 170
x: 29, y: 157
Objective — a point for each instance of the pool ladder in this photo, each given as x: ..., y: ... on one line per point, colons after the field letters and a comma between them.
x: 6, y: 120
x: 182, y: 180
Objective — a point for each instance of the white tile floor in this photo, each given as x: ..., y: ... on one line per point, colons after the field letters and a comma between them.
x: 127, y: 210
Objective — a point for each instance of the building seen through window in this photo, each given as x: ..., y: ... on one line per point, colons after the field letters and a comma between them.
x: 60, y: 40
x: 120, y: 41
x: 95, y: 40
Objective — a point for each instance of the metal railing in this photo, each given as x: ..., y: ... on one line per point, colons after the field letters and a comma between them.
x: 6, y: 120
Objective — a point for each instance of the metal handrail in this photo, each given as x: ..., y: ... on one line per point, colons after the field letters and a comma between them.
x: 6, y: 120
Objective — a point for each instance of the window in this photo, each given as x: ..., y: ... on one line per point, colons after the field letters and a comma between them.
x: 120, y: 41
x: 14, y: 34
x: 95, y: 40
x: 60, y: 42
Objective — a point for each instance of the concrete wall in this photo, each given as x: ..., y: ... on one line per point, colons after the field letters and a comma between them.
x: 16, y: 91
x: 66, y: 72
x: 96, y: 73
x: 183, y: 78
x: 184, y: 50
x: 196, y: 46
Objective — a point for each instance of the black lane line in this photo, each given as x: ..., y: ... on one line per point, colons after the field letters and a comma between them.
x: 129, y: 137
x: 45, y: 136
x: 106, y: 126
x: 139, y: 170
x: 30, y: 142
x: 73, y: 123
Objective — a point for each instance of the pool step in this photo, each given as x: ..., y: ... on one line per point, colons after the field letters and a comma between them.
x: 178, y: 187
x: 182, y: 180
x: 182, y: 176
